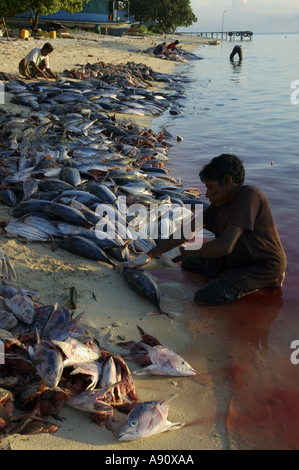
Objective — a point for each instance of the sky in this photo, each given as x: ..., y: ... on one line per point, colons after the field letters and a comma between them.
x: 259, y: 16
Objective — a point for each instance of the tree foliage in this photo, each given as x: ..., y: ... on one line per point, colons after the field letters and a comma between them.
x: 13, y: 7
x: 39, y: 7
x: 168, y: 14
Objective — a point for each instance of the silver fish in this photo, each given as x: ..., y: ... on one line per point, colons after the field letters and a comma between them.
x: 7, y: 320
x: 165, y: 362
x: 77, y: 352
x: 69, y: 229
x: 30, y: 187
x: 21, y: 229
x: 22, y: 307
x: 147, y: 419
x: 50, y: 360
x: 43, y: 225
x: 108, y: 376
x: 18, y: 176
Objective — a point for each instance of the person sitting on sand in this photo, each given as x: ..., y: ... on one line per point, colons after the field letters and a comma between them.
x: 172, y: 46
x: 246, y: 254
x: 36, y: 62
x: 160, y: 48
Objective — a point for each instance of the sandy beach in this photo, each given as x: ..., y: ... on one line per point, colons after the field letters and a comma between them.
x: 110, y: 308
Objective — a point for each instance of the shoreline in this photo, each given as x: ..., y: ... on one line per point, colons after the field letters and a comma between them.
x: 85, y: 48
x: 116, y: 310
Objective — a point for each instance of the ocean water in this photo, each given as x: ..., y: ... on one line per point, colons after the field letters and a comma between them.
x: 248, y: 388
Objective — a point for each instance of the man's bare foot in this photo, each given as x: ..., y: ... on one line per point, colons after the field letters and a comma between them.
x: 279, y: 282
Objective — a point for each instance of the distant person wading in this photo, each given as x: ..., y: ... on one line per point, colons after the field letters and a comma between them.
x: 236, y: 50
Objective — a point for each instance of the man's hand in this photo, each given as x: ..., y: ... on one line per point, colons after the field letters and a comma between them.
x: 6, y: 269
x: 165, y: 260
x: 141, y: 260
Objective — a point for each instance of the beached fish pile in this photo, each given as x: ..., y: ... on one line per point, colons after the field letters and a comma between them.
x: 7, y: 76
x: 50, y: 361
x: 179, y: 55
x: 70, y: 173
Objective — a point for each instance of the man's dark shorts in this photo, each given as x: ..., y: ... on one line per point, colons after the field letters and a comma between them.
x: 234, y: 283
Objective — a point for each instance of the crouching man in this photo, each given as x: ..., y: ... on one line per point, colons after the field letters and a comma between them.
x: 246, y: 254
x: 36, y: 63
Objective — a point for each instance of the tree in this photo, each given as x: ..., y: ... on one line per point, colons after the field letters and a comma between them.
x: 39, y: 7
x: 168, y: 14
x: 11, y: 8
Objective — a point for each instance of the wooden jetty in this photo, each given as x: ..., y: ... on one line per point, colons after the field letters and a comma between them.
x: 232, y: 35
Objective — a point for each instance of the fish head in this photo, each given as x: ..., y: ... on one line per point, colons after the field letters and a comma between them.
x: 172, y: 364
x: 27, y: 311
x: 145, y: 420
x: 50, y: 367
x: 7, y: 320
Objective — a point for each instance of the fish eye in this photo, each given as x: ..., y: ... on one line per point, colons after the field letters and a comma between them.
x: 134, y: 423
x: 50, y: 370
x: 183, y: 363
x: 28, y: 311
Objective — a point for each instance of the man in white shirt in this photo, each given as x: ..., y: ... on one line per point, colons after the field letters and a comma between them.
x: 36, y: 63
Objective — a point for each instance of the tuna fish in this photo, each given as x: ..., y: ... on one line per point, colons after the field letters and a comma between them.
x: 66, y: 213
x: 159, y: 359
x: 147, y: 419
x: 50, y: 360
x: 165, y: 362
x: 77, y: 352
x: 22, y: 307
x: 25, y: 231
x: 145, y: 285
x: 7, y: 320
x: 84, y: 247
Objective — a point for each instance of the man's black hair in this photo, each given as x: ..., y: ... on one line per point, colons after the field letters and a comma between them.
x: 48, y: 46
x: 177, y: 42
x: 225, y: 164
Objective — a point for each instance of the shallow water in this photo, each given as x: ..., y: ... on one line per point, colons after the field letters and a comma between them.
x: 247, y: 388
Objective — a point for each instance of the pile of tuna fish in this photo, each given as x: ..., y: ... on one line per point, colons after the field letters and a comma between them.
x: 179, y: 55
x: 49, y: 361
x: 124, y: 89
x: 70, y: 172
